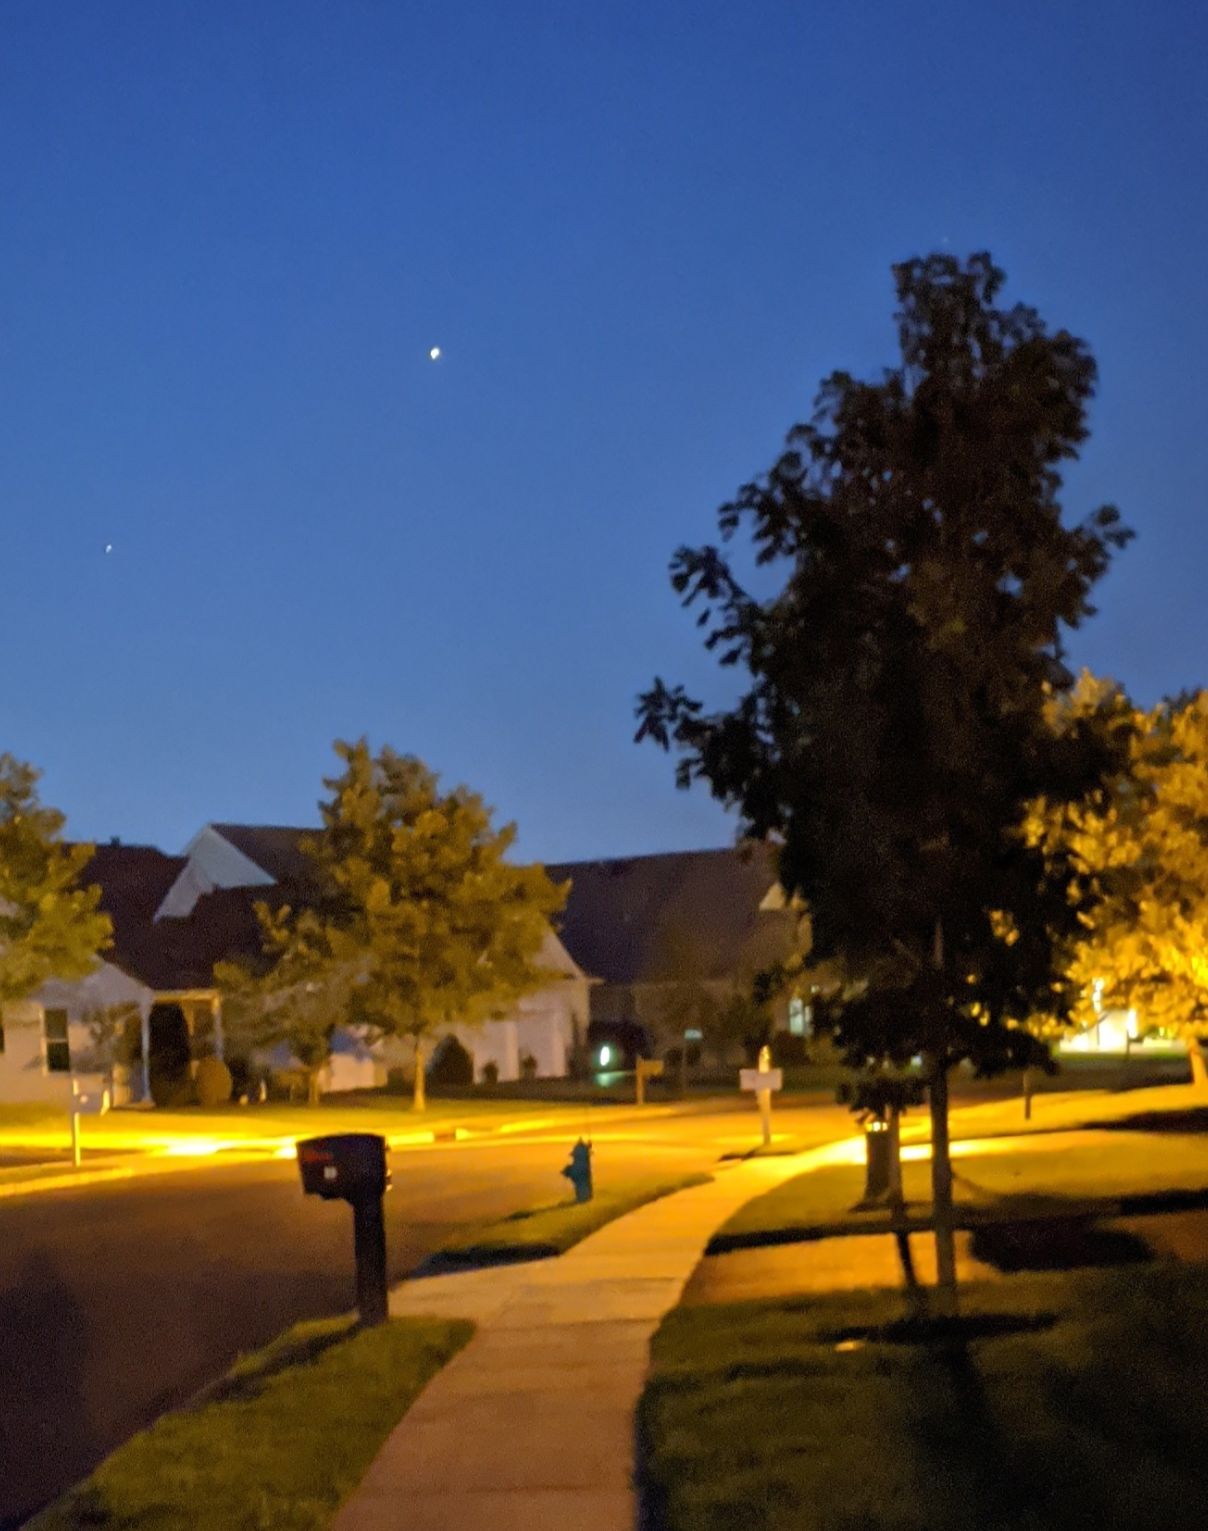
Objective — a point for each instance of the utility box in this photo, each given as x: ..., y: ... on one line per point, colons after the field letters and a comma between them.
x: 351, y: 1167
x: 347, y: 1166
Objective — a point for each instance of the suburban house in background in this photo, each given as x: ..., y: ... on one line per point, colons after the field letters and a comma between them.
x: 649, y: 928
x: 227, y: 867
x: 151, y: 982
x: 636, y: 934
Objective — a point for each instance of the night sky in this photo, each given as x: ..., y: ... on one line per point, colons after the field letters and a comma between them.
x: 640, y: 233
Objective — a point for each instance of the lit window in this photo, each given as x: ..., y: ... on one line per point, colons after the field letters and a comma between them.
x: 58, y: 1049
x: 800, y: 1016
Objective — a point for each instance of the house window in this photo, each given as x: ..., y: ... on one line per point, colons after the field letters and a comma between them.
x: 58, y: 1049
x: 801, y: 1016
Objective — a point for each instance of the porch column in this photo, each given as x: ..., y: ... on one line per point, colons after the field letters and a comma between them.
x: 216, y: 1020
x: 144, y: 1016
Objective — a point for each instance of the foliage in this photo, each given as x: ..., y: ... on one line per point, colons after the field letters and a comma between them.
x: 789, y: 1050
x: 420, y: 919
x: 213, y: 1082
x: 894, y: 728
x: 1070, y: 1400
x: 539, y: 1232
x: 50, y: 926
x: 114, y: 1038
x: 728, y: 1012
x: 296, y: 993
x: 280, y: 1442
x: 880, y: 1095
x: 1141, y: 843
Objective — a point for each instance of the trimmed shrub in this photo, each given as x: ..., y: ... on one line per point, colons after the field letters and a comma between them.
x: 490, y: 1072
x: 213, y: 1082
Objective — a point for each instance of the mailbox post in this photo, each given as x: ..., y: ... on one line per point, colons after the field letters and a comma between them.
x: 351, y: 1167
x: 84, y: 1102
x: 646, y: 1068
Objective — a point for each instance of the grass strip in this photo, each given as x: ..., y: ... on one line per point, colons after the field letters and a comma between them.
x: 1027, y: 1177
x: 540, y: 1232
x: 1058, y: 1400
x: 277, y: 1443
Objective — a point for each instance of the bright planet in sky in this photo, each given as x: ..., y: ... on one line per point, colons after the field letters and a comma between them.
x: 434, y: 354
x: 109, y: 547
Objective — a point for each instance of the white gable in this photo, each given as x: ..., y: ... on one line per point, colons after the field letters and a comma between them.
x: 213, y: 863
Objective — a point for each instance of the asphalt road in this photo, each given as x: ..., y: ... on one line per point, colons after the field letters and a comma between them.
x: 117, y: 1302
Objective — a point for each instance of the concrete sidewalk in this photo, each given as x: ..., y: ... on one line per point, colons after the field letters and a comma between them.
x: 530, y: 1427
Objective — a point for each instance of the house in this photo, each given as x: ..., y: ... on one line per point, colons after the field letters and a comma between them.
x: 227, y: 867
x: 646, y: 926
x: 150, y: 979
x: 634, y: 930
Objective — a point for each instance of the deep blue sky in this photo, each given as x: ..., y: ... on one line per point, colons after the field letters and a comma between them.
x: 641, y: 233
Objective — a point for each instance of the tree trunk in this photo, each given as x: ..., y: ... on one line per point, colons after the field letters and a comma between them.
x: 1198, y: 1059
x: 420, y: 1101
x: 896, y: 1199
x: 312, y: 1086
x: 941, y: 1192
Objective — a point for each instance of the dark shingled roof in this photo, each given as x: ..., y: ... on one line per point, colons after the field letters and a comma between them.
x: 169, y: 954
x: 639, y: 919
x: 222, y: 927
x: 650, y: 919
x: 275, y: 848
x: 133, y: 880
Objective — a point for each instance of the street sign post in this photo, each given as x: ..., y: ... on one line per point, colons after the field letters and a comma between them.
x: 763, y: 1081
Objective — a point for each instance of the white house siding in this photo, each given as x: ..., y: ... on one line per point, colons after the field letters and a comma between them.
x: 107, y: 986
x: 24, y: 1077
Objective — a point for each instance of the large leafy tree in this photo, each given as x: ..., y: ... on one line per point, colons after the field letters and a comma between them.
x: 901, y: 634
x: 419, y: 919
x: 1142, y: 845
x: 297, y: 990
x: 50, y: 925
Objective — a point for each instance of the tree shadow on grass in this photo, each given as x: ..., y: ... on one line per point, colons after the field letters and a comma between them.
x: 1193, y: 1120
x: 1056, y: 1244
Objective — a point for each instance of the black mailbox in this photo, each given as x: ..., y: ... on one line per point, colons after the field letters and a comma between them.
x: 351, y: 1167
x: 347, y: 1166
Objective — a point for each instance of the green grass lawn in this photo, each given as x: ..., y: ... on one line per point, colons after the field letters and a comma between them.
x: 277, y: 1445
x: 539, y: 1232
x: 1032, y: 1175
x: 817, y: 1416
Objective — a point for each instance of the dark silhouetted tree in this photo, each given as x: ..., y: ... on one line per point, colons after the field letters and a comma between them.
x: 902, y: 638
